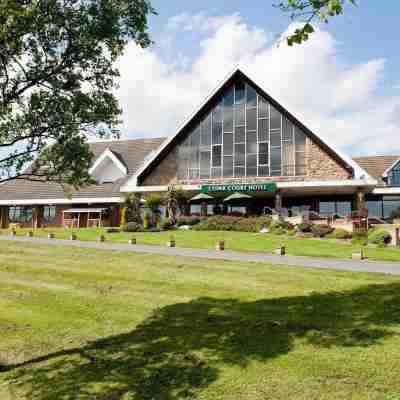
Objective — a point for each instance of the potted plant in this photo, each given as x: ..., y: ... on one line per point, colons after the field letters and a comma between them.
x: 102, y: 238
x: 220, y: 245
x: 132, y: 240
x: 171, y: 242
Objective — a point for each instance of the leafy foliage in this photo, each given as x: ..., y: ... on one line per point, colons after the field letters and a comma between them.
x: 307, y: 11
x: 132, y: 227
x: 321, y: 230
x: 57, y: 81
x: 304, y: 227
x: 228, y: 223
x: 131, y: 208
x: 340, y: 233
x: 379, y: 237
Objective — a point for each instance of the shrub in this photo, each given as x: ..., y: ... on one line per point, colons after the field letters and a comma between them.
x: 189, y: 220
x: 228, y: 223
x: 131, y: 209
x: 304, y: 227
x: 340, y: 233
x: 379, y: 237
x: 321, y: 230
x: 146, y: 220
x: 132, y: 227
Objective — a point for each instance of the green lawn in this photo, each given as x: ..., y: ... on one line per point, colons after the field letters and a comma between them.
x: 241, y: 241
x: 111, y: 325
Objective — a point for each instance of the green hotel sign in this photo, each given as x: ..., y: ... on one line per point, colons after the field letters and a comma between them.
x: 269, y: 187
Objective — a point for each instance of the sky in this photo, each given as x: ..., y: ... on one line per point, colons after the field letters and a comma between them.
x: 344, y: 83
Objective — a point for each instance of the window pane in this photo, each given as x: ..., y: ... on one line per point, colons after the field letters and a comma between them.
x: 287, y: 131
x: 300, y: 163
x: 263, y: 171
x: 193, y: 174
x: 239, y: 115
x: 300, y: 140
x: 263, y: 158
x: 251, y: 119
x: 229, y: 97
x: 228, y: 166
x: 389, y: 206
x: 228, y: 119
x: 239, y: 93
x: 216, y: 172
x: 275, y: 161
x: 251, y: 142
x: 263, y: 130
x: 217, y: 133
x: 275, y: 119
x: 262, y: 108
x: 239, y: 172
x: 217, y: 113
x: 228, y: 144
x: 251, y: 97
x: 343, y: 208
x: 216, y: 156
x: 205, y: 139
x: 251, y: 165
x: 275, y: 138
x: 374, y: 208
x: 205, y: 158
x: 327, y: 208
x: 240, y: 136
x: 288, y: 159
x: 239, y: 154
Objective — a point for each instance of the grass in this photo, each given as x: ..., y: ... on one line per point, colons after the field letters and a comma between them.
x: 86, y: 324
x: 240, y: 241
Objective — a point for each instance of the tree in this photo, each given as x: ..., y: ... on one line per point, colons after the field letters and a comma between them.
x: 131, y: 208
x: 57, y: 82
x: 309, y: 10
x: 172, y: 204
x: 153, y: 203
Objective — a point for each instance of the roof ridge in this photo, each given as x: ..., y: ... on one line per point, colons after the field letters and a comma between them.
x: 127, y: 140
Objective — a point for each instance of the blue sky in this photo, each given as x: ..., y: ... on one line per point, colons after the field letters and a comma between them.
x: 344, y: 83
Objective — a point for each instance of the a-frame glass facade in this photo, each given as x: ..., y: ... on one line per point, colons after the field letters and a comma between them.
x: 394, y: 175
x: 242, y: 136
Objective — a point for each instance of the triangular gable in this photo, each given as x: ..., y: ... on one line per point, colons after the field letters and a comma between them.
x: 205, y: 107
x: 108, y: 155
x: 388, y: 170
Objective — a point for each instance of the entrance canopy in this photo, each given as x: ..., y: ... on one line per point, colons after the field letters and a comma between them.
x: 84, y: 210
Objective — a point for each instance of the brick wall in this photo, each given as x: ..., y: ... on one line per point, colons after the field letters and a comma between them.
x: 319, y: 166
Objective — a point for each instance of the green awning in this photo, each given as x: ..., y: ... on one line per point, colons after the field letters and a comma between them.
x: 202, y: 197
x: 237, y: 196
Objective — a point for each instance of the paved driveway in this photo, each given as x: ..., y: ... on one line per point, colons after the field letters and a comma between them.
x: 305, y: 262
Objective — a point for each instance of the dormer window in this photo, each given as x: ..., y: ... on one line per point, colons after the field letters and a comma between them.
x: 392, y: 174
x: 108, y: 168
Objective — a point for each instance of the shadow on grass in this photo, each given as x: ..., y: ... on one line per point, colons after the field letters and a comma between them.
x: 183, y: 346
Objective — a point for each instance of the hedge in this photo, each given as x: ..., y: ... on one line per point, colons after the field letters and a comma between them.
x: 228, y: 223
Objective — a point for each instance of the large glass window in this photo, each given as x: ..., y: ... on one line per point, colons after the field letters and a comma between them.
x: 243, y: 135
x: 20, y: 214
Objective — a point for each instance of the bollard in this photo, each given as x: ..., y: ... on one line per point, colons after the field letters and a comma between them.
x: 132, y: 240
x: 101, y: 239
x: 73, y: 236
x: 359, y: 255
x: 50, y: 236
x: 29, y: 234
x: 171, y: 242
x: 220, y: 246
x: 281, y: 250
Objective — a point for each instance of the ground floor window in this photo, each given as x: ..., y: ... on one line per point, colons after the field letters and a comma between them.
x: 340, y: 208
x: 382, y: 206
x: 49, y: 214
x: 20, y: 214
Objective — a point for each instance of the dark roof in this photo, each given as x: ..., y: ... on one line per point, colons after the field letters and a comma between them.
x: 131, y: 152
x: 376, y: 165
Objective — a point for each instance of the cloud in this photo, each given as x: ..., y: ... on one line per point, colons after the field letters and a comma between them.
x: 337, y: 100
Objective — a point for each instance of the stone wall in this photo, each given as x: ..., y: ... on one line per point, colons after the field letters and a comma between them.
x: 319, y: 166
